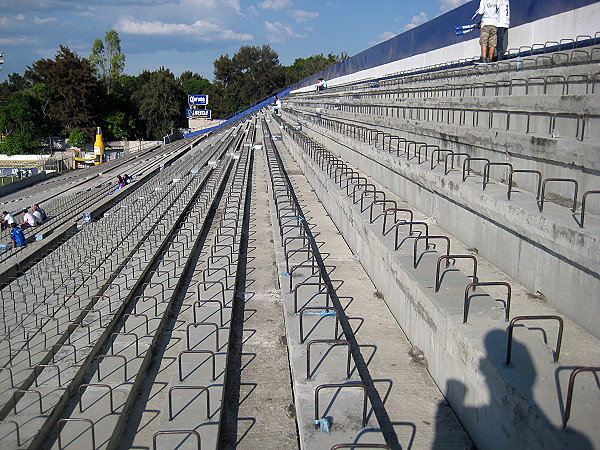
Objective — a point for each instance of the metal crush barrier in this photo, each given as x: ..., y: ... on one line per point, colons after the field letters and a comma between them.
x: 404, y: 146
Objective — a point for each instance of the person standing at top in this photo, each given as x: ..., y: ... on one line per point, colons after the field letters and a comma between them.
x: 503, y: 24
x: 489, y: 31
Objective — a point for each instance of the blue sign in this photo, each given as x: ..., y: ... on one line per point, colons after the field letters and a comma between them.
x: 198, y: 113
x: 198, y: 99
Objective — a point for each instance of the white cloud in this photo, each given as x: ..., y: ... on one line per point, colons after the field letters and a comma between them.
x: 20, y: 41
x: 447, y: 5
x: 278, y: 32
x: 200, y: 29
x: 252, y: 11
x: 275, y: 4
x: 417, y: 20
x: 299, y: 15
x: 39, y: 21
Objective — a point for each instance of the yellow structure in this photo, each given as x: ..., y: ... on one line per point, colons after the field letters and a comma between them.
x: 98, y: 147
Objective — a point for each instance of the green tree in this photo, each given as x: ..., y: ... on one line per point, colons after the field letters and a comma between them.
x: 252, y: 74
x: 21, y: 124
x: 108, y: 59
x: 119, y: 125
x: 72, y: 91
x: 15, y: 83
x: 77, y: 137
x: 305, y: 67
x: 98, y: 58
x: 193, y: 84
x: 161, y: 103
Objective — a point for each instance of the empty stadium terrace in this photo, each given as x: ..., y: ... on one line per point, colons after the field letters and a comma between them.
x: 406, y: 260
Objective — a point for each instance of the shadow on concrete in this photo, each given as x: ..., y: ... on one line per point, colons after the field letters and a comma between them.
x: 496, y: 420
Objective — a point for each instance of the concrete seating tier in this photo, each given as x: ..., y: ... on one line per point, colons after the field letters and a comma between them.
x: 464, y: 338
x: 85, y: 295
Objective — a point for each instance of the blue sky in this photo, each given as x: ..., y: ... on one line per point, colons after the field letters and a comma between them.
x: 190, y: 34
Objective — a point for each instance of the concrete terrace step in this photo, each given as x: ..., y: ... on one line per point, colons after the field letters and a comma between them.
x: 409, y: 409
x: 490, y: 398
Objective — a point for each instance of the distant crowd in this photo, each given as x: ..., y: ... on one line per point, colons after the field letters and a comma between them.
x: 28, y: 220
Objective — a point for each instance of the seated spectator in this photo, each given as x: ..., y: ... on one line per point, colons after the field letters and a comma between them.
x: 37, y: 207
x: 321, y: 84
x: 17, y: 236
x: 120, y: 182
x: 126, y: 179
x: 7, y: 219
x: 38, y: 215
x: 29, y: 220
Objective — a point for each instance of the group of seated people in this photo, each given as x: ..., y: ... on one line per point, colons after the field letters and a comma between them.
x: 30, y: 219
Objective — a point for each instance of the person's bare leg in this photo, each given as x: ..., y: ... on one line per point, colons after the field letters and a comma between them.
x: 484, y: 50
x: 491, y: 52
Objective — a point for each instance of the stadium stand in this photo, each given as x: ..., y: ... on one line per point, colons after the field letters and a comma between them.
x: 407, y: 259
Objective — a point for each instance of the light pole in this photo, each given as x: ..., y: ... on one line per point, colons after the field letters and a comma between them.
x: 1, y: 60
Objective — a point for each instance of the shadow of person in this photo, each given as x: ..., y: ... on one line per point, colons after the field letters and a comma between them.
x: 497, y: 407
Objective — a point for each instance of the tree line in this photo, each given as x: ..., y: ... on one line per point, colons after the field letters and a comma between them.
x: 70, y: 96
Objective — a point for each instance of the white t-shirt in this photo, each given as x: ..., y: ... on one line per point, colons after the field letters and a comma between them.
x: 38, y: 216
x: 504, y: 13
x: 9, y: 219
x: 489, y: 11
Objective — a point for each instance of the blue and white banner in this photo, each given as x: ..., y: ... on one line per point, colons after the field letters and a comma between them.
x: 15, y: 172
x: 198, y: 113
x: 198, y: 99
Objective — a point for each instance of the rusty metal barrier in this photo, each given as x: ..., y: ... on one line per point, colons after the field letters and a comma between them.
x: 190, y: 352
x: 200, y: 302
x: 103, y: 357
x: 113, y: 337
x: 17, y: 429
x: 319, y: 308
x: 487, y: 168
x: 396, y: 211
x: 487, y: 283
x: 452, y: 155
x: 568, y: 180
x: 200, y: 388
x: 110, y: 391
x: 333, y: 343
x: 307, y: 283
x: 534, y: 172
x: 200, y: 324
x: 428, y: 238
x: 169, y: 432
x: 23, y: 392
x: 63, y: 421
x: 569, y: 401
x: 44, y: 366
x: 361, y: 445
x: 397, y: 225
x: 583, y: 200
x: 339, y: 387
x: 466, y: 167
x: 447, y: 258
x: 520, y: 318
